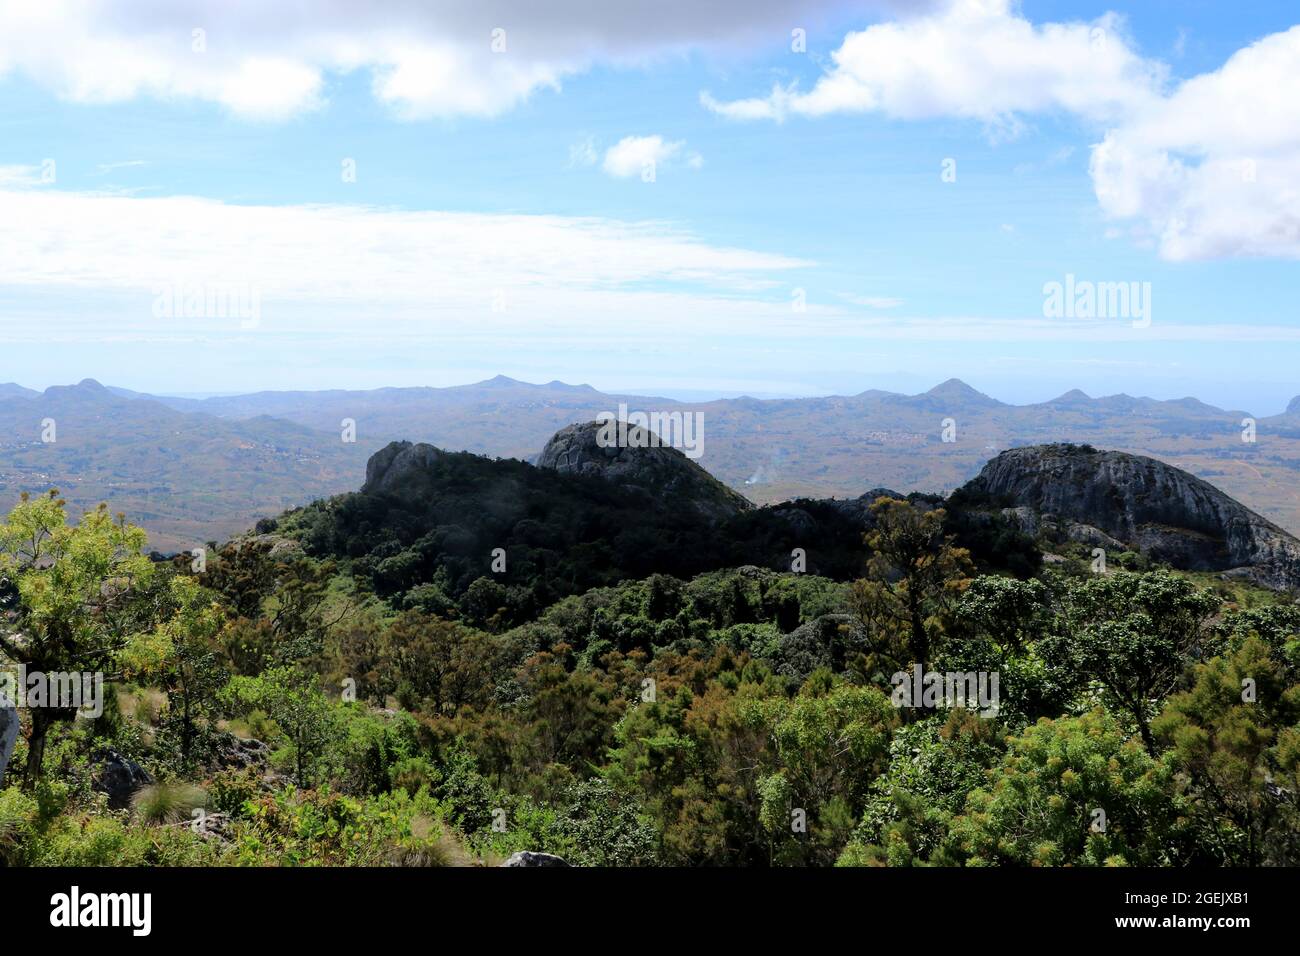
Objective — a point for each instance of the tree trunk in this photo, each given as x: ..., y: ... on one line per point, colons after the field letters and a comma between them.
x: 42, y: 720
x: 920, y: 641
x: 1147, y: 737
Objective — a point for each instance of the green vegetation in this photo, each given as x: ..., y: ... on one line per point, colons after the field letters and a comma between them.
x: 637, y: 691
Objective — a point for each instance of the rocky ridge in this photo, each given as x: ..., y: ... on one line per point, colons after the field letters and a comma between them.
x: 1109, y: 498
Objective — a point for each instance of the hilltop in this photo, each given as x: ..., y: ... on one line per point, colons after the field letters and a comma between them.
x: 1112, y: 498
x: 427, y: 526
x: 444, y: 530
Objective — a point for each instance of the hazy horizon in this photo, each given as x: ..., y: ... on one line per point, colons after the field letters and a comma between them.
x: 692, y: 395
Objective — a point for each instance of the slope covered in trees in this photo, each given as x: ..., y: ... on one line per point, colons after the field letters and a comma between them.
x: 638, y: 689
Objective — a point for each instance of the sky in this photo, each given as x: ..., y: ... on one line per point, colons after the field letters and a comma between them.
x: 769, y: 197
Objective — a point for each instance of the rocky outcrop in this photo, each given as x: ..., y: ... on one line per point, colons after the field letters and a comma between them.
x: 663, y: 471
x: 529, y: 858
x: 393, y: 468
x: 1147, y: 505
x: 119, y: 777
x: 239, y: 753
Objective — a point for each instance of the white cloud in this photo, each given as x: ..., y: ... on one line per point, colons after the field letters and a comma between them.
x: 1214, y: 170
x: 270, y: 61
x: 1209, y: 169
x: 366, y: 270
x: 976, y: 59
x: 634, y: 155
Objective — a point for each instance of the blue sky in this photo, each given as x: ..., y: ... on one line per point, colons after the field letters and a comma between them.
x: 797, y: 242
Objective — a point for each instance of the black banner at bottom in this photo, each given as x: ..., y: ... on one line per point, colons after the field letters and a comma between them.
x: 340, y: 905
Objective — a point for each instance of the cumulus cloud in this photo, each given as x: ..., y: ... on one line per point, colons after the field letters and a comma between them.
x: 1214, y: 170
x: 439, y: 58
x: 1208, y: 168
x: 642, y: 155
x: 975, y: 59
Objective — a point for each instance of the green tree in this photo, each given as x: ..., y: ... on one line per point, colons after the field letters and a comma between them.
x: 933, y: 766
x: 1277, y: 625
x: 192, y: 672
x: 1008, y: 613
x: 1235, y: 739
x: 438, y: 666
x: 284, y: 602
x: 1072, y: 792
x: 290, y: 697
x: 599, y: 827
x: 825, y: 747
x: 76, y: 605
x: 914, y: 574
x: 1135, y: 634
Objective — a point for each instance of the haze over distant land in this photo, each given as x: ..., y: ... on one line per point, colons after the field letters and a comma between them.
x: 209, y: 468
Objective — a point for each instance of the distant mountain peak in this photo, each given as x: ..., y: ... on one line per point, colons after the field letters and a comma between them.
x: 1070, y: 397
x: 956, y: 390
x: 500, y: 381
x: 556, y: 385
x: 1294, y: 407
x: 86, y: 390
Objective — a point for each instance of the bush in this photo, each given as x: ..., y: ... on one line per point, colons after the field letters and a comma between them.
x: 168, y: 802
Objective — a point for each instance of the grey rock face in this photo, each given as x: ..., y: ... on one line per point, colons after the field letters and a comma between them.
x: 391, y: 468
x: 1093, y: 537
x: 529, y: 858
x: 8, y: 734
x: 663, y: 471
x: 1148, y: 505
x: 1025, y: 520
x: 119, y: 777
x: 238, y: 753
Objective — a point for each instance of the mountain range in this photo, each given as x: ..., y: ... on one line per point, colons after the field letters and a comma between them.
x: 191, y: 470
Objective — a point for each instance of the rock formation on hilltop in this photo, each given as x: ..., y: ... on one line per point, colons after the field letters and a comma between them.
x: 1146, y: 504
x: 394, y: 467
x: 664, y: 471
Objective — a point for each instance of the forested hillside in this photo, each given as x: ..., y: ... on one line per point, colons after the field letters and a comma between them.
x: 479, y: 657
